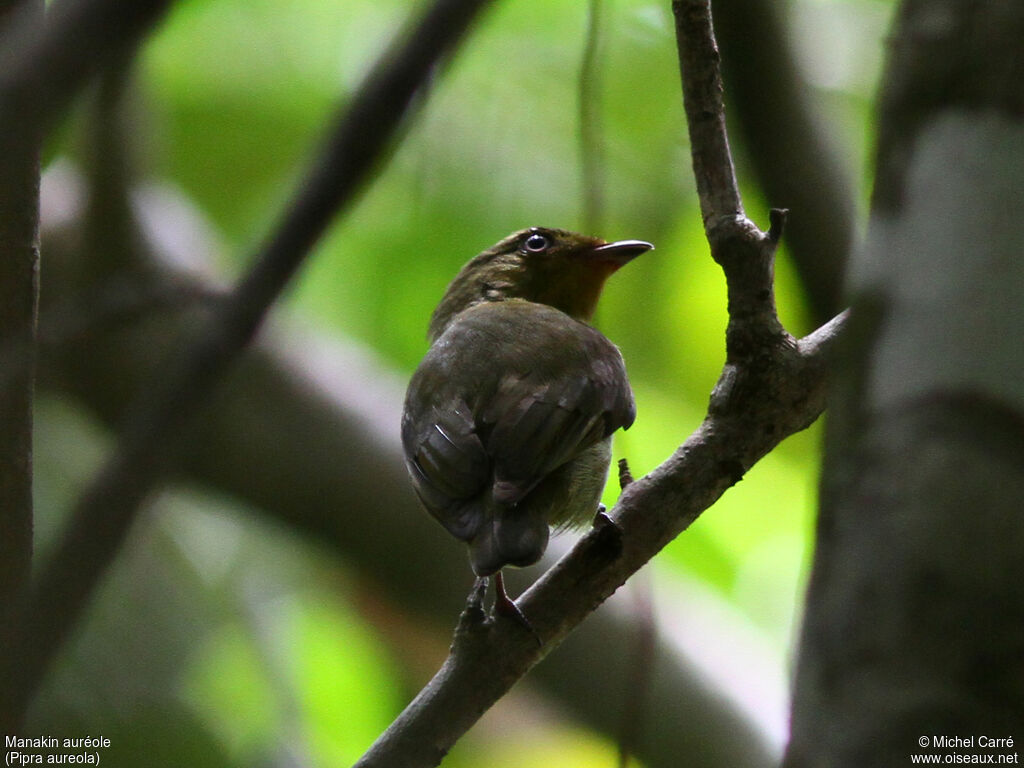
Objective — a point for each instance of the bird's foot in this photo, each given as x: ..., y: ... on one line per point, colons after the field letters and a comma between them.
x: 473, y: 615
x: 475, y: 601
x: 505, y: 606
x: 609, y: 534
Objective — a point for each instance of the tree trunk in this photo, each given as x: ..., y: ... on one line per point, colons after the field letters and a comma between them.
x: 19, y: 290
x: 913, y: 641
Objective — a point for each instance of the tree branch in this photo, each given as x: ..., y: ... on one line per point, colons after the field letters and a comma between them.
x: 107, y: 509
x: 789, y: 147
x: 590, y: 121
x: 19, y: 295
x: 705, y: 111
x: 44, y: 64
x: 770, y: 388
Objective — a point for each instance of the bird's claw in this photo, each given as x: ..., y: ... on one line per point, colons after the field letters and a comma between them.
x: 609, y: 533
x: 475, y: 601
x: 505, y: 606
x: 474, y: 615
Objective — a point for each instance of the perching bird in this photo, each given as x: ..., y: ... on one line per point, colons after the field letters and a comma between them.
x: 508, y: 419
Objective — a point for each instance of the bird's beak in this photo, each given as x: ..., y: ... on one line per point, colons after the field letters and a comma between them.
x: 621, y: 251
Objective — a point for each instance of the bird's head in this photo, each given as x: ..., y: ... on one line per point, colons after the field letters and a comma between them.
x: 549, y: 266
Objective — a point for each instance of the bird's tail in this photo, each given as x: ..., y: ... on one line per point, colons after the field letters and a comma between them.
x: 511, y: 534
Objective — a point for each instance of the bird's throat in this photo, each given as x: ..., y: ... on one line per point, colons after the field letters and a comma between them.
x: 576, y: 290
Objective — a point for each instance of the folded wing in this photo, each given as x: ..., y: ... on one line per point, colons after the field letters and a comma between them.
x: 509, y: 393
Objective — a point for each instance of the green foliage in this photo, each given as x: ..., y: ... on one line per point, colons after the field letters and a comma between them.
x: 228, y: 685
x: 537, y: 744
x: 311, y: 678
x: 213, y: 641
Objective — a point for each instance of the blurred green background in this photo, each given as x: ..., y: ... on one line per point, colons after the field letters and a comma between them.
x: 235, y: 93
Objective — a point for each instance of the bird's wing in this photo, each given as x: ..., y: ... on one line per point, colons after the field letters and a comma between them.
x: 573, y: 393
x: 509, y: 393
x: 444, y: 455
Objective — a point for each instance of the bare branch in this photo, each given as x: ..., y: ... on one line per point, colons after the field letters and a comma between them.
x: 42, y: 66
x: 590, y: 117
x: 43, y: 63
x: 788, y: 145
x: 705, y: 112
x: 821, y: 344
x: 107, y: 509
x: 19, y: 295
x: 771, y: 387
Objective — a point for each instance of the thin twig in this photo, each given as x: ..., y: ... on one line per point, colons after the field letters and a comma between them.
x: 105, y: 512
x: 705, y: 112
x: 625, y: 474
x: 790, y: 147
x: 590, y: 117
x: 769, y: 389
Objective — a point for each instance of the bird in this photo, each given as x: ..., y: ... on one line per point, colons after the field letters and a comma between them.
x: 508, y: 419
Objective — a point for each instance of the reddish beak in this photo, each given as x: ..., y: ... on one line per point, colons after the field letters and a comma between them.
x: 621, y: 251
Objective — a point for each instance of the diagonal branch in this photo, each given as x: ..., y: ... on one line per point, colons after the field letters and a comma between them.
x: 104, y: 514
x: 771, y: 387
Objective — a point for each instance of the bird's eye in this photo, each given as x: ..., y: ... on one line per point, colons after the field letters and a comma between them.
x: 536, y: 243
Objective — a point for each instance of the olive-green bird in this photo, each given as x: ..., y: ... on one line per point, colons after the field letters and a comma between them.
x: 508, y: 419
